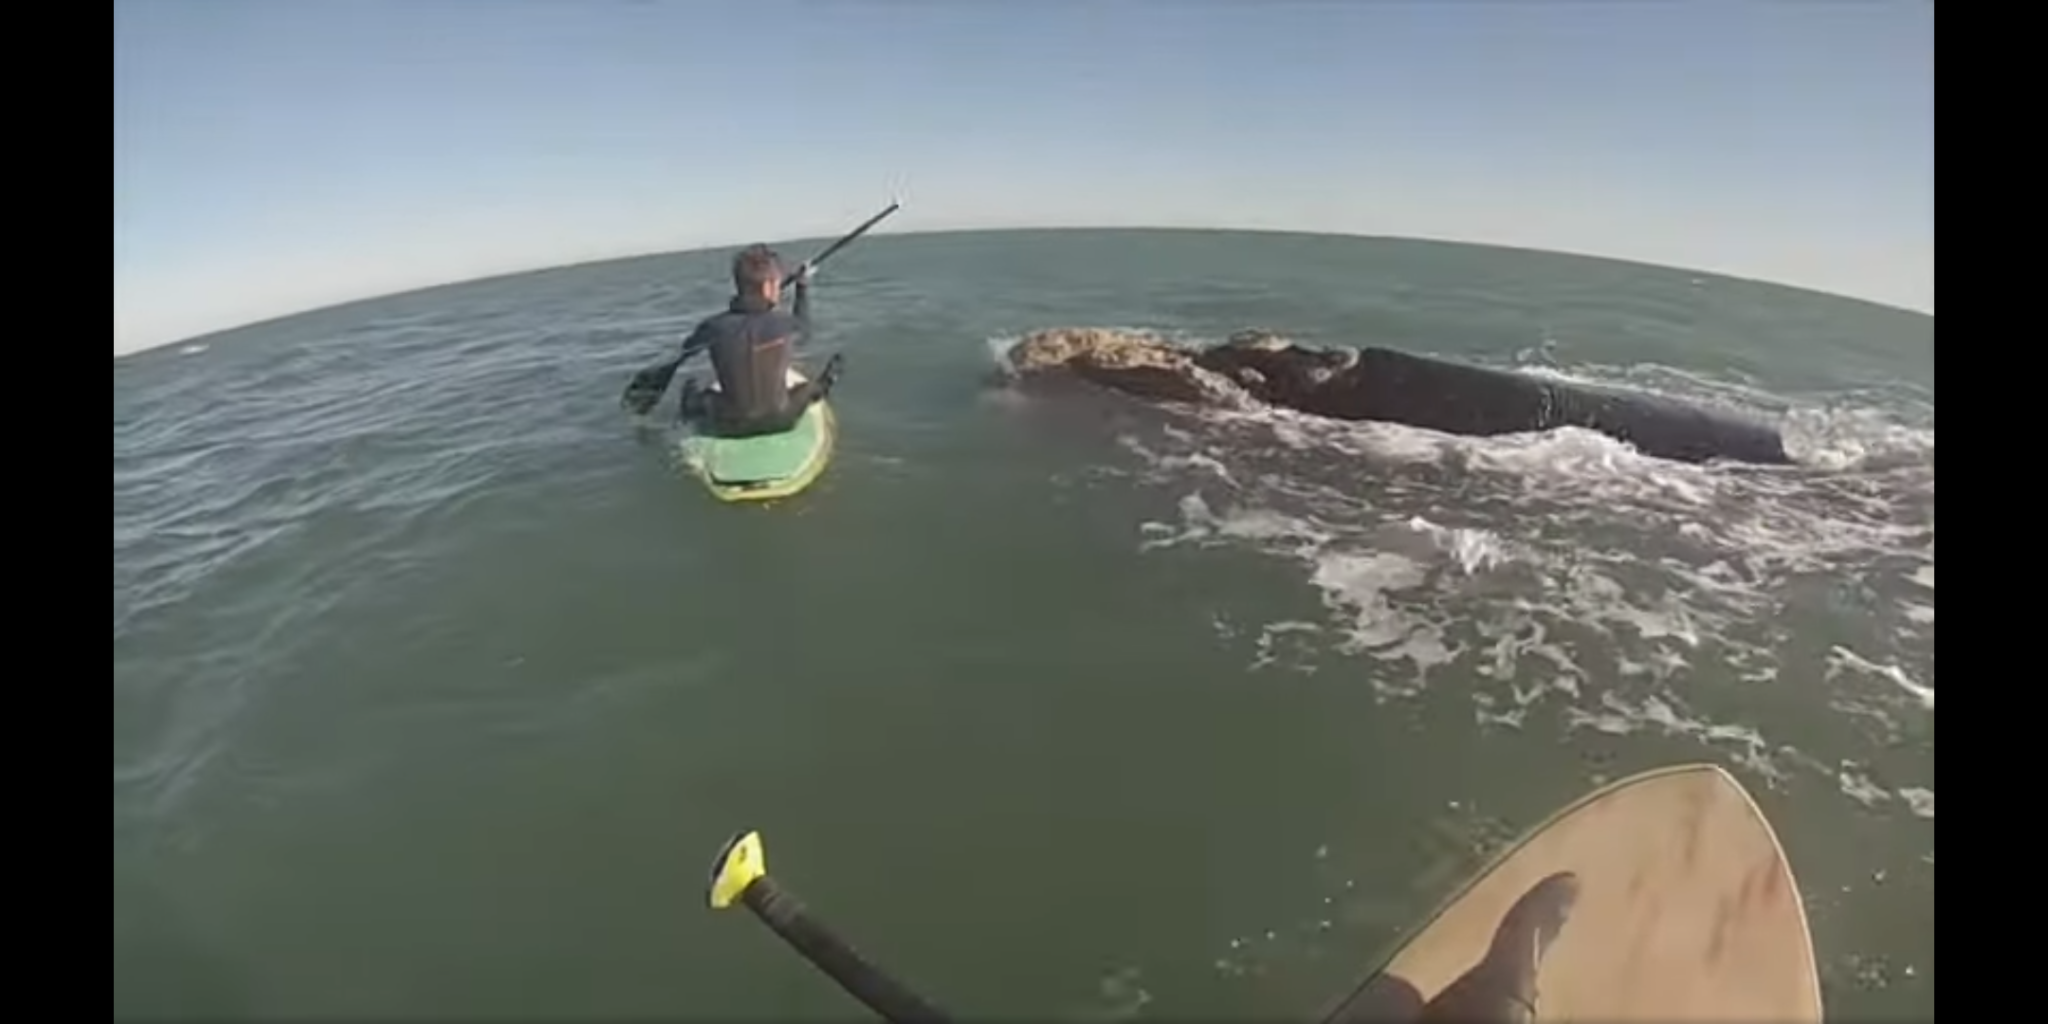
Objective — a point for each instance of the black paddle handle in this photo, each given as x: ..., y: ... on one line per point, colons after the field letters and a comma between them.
x: 843, y: 242
x: 789, y: 918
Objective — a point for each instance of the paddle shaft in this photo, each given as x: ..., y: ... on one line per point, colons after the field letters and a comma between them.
x: 846, y: 240
x: 647, y: 386
x: 789, y: 918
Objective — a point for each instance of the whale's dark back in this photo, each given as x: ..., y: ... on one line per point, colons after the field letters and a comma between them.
x: 1459, y: 398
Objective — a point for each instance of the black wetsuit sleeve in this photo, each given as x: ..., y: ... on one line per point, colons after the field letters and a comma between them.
x: 801, y: 308
x: 698, y: 341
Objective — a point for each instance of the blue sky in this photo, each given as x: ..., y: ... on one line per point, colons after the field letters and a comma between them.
x: 276, y: 155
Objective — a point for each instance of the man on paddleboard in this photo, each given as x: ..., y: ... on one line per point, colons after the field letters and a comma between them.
x: 751, y: 346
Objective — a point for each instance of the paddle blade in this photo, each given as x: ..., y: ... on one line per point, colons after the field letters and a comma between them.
x: 647, y: 387
x: 740, y: 863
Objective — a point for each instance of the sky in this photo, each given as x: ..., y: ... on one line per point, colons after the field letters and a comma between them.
x: 271, y: 157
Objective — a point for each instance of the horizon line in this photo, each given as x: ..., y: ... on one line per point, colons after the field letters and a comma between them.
x: 920, y: 232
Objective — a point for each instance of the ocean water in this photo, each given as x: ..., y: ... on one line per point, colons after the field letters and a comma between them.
x: 436, y: 685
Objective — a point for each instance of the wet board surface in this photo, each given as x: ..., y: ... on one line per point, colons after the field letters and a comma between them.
x: 1687, y: 910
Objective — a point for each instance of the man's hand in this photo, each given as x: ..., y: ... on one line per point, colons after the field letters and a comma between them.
x: 804, y: 273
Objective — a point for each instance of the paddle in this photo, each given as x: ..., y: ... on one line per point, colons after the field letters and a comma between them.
x: 740, y: 873
x: 647, y: 386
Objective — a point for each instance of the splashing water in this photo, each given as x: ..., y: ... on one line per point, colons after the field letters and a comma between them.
x: 1566, y: 570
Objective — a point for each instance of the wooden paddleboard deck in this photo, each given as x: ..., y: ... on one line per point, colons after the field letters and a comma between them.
x: 1687, y: 910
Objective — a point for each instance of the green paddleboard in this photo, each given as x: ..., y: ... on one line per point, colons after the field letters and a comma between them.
x: 767, y: 466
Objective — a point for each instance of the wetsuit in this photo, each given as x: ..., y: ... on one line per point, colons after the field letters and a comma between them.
x: 751, y: 347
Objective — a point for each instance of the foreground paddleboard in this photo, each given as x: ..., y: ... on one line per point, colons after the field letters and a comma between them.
x: 767, y: 467
x: 1686, y: 909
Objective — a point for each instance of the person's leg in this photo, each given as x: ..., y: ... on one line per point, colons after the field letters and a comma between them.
x: 802, y: 395
x: 830, y: 374
x: 800, y: 398
x: 1501, y: 987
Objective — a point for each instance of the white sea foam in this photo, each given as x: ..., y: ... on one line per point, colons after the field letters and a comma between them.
x: 1564, y: 574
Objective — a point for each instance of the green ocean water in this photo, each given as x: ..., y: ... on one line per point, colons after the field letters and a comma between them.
x: 436, y: 685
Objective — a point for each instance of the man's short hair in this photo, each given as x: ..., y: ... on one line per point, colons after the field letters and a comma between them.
x: 756, y: 265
